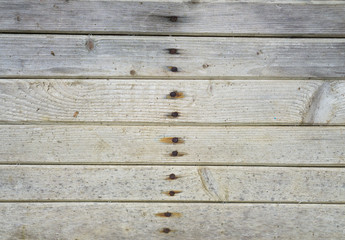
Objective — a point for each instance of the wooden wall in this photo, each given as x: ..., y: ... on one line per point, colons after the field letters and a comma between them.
x: 172, y: 119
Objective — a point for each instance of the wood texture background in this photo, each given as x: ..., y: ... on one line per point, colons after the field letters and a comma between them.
x: 153, y: 183
x: 65, y: 56
x: 250, y: 102
x: 202, y: 145
x: 87, y: 122
x: 225, y: 18
x: 188, y: 221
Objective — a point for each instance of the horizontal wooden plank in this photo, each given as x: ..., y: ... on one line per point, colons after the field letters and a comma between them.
x: 284, y: 146
x: 187, y: 221
x: 145, y: 57
x: 161, y: 183
x: 227, y: 18
x: 205, y: 102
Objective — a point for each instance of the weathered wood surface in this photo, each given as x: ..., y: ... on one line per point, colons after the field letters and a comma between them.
x: 284, y: 146
x: 171, y: 183
x: 148, y: 101
x: 130, y: 56
x: 187, y: 221
x: 226, y: 18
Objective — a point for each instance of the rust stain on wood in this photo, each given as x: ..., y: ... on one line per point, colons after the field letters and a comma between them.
x: 169, y: 214
x: 172, y: 176
x: 172, y: 193
x: 175, y: 94
x: 172, y: 140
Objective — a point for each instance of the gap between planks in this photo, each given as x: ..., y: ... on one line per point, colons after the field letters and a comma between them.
x: 174, y: 164
x: 153, y: 34
x: 175, y: 202
x: 179, y: 124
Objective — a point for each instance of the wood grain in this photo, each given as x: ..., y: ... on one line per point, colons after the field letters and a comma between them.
x: 155, y: 183
x: 250, y: 102
x: 225, y: 18
x: 57, y: 56
x: 139, y: 221
x: 203, y: 145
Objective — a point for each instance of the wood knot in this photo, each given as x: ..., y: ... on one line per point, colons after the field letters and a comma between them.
x: 90, y: 45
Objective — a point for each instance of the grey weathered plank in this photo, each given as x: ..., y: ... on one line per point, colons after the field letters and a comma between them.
x: 187, y: 221
x: 75, y: 144
x: 168, y: 183
x: 227, y: 18
x: 145, y: 57
x: 204, y: 102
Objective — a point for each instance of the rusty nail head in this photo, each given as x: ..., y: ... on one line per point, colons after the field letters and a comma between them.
x: 174, y: 114
x: 166, y: 230
x: 171, y: 193
x: 173, y: 94
x: 174, y: 153
x: 174, y: 140
x: 167, y: 214
x: 172, y: 176
x: 174, y: 69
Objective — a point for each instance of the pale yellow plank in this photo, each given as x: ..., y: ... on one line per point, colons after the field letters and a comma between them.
x: 194, y: 17
x: 168, y: 183
x: 284, y: 146
x: 187, y: 221
x: 204, y: 102
x: 133, y: 56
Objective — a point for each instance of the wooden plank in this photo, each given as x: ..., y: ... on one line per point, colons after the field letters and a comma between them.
x: 226, y: 18
x: 171, y: 183
x: 175, y: 57
x: 204, y: 102
x: 187, y: 221
x: 279, y: 146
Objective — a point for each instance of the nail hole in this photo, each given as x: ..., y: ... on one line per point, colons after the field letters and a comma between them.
x: 173, y: 19
x: 132, y: 72
x: 172, y: 50
x: 174, y: 114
